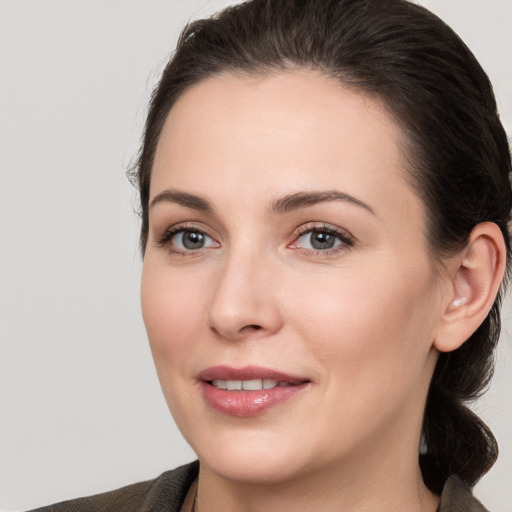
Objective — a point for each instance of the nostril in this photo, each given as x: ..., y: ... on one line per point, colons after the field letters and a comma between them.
x: 254, y: 327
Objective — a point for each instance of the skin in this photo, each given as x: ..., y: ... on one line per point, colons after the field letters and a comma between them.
x: 359, y: 321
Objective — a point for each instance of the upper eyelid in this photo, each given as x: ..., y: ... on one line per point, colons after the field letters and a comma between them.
x: 323, y: 226
x: 164, y: 236
x: 187, y: 226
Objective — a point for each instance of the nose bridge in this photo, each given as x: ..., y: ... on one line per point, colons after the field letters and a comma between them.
x: 243, y: 302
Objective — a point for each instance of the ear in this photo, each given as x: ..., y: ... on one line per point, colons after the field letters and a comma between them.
x: 475, y: 275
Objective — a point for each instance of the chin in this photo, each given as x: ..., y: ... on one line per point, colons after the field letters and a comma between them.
x: 253, y: 469
x: 253, y: 458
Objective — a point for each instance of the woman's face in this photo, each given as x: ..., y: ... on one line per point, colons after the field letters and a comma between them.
x: 287, y: 256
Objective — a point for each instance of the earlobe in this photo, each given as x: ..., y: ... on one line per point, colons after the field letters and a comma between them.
x: 476, y: 274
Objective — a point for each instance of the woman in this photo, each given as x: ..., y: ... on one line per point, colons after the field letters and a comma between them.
x: 325, y: 193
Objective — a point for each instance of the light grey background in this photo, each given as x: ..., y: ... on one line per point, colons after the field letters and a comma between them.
x: 80, y: 407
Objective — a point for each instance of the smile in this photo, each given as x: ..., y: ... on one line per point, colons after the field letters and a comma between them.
x: 248, y: 391
x: 249, y: 385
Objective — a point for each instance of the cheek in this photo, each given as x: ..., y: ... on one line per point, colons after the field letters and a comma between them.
x: 366, y: 325
x: 172, y: 308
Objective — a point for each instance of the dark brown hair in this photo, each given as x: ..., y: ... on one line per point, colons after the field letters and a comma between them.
x: 457, y: 151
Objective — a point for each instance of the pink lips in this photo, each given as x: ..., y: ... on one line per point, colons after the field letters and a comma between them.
x: 248, y: 403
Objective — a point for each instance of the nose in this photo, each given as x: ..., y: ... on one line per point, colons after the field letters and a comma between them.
x: 244, y: 303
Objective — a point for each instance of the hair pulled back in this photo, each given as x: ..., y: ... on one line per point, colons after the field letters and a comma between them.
x: 457, y: 152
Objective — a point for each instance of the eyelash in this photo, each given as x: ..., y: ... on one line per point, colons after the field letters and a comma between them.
x: 166, y: 237
x: 346, y: 239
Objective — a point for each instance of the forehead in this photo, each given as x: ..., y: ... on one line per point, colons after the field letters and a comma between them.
x: 307, y: 98
x: 279, y: 132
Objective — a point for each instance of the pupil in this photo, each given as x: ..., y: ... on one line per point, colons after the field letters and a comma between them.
x: 321, y: 240
x: 193, y: 240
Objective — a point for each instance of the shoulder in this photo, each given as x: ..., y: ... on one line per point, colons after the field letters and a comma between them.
x: 163, y: 494
x: 457, y: 497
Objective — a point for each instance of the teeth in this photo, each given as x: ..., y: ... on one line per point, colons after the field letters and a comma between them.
x: 234, y: 385
x: 248, y: 385
x: 252, y: 385
x: 218, y: 383
x: 269, y: 383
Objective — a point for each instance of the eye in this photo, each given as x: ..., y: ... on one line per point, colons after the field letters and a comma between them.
x: 183, y: 240
x: 318, y: 240
x: 322, y: 239
x: 191, y: 240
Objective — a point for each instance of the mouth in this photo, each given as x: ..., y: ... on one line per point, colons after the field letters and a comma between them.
x: 249, y: 385
x: 248, y: 391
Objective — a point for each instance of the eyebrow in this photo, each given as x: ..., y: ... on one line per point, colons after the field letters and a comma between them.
x: 304, y: 199
x: 282, y: 205
x: 182, y: 198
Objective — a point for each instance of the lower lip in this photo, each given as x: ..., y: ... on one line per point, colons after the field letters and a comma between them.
x: 248, y: 403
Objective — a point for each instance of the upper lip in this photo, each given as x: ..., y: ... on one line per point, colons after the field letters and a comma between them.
x: 247, y: 373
